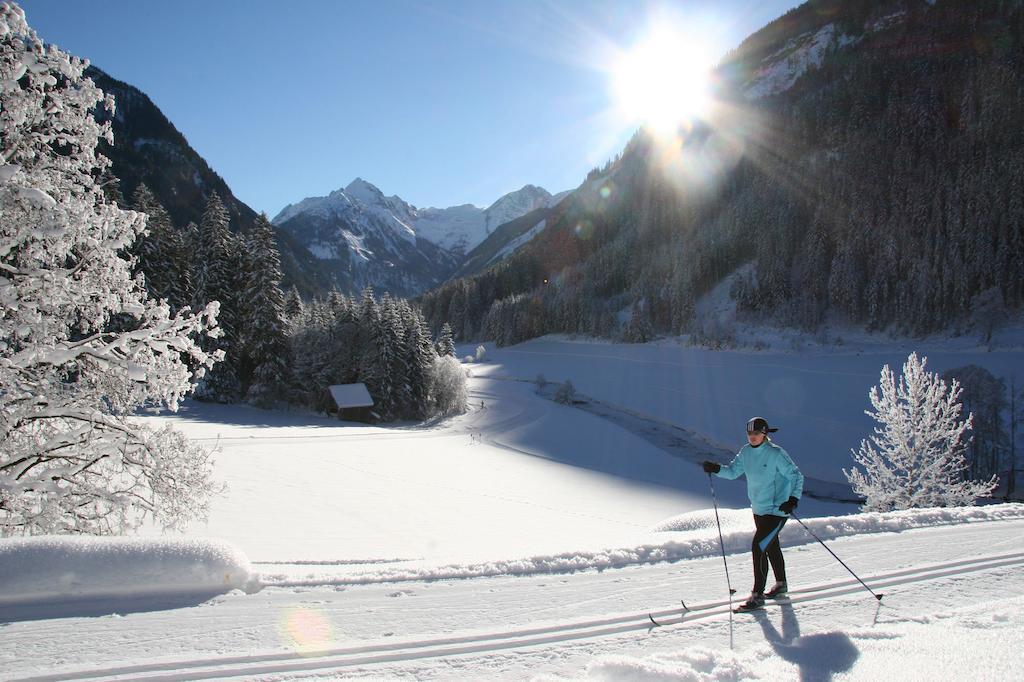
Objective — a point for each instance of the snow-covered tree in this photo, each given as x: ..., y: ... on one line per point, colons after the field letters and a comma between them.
x: 397, y: 358
x: 293, y: 304
x: 81, y: 344
x: 374, y: 355
x: 916, y: 457
x: 217, y: 261
x: 445, y: 342
x: 448, y: 390
x: 159, y: 252
x: 262, y: 331
x: 422, y: 356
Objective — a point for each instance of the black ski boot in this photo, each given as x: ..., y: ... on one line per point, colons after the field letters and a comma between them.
x: 754, y: 603
x: 779, y: 591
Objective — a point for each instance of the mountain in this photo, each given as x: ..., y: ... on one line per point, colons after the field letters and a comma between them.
x: 347, y: 240
x: 149, y: 149
x: 369, y: 239
x: 863, y: 171
x: 504, y: 241
x: 366, y: 239
x: 512, y: 229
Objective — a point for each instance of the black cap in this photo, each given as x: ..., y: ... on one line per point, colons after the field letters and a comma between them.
x: 759, y: 425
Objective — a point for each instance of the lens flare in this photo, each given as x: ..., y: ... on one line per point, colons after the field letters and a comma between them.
x: 307, y: 631
x: 699, y: 162
x: 584, y: 229
x: 664, y: 81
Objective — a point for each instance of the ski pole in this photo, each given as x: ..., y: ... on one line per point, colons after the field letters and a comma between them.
x: 721, y: 543
x: 876, y: 596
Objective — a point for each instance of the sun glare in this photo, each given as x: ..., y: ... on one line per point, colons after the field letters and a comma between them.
x: 664, y: 81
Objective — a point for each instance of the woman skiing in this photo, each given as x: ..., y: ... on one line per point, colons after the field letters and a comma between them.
x: 774, y: 486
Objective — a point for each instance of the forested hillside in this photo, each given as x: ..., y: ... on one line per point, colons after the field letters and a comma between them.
x: 882, y: 188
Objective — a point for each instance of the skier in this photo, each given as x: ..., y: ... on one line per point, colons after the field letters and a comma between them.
x: 774, y: 485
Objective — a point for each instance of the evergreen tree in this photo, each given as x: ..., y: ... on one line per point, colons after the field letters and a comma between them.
x: 397, y: 399
x: 158, y: 250
x: 1016, y: 404
x: 374, y: 354
x: 445, y: 342
x: 312, y: 350
x: 266, y: 345
x: 213, y: 280
x: 422, y: 357
x: 217, y: 259
x: 984, y: 396
x: 293, y: 304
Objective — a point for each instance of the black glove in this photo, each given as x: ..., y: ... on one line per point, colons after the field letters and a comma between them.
x: 711, y: 467
x: 789, y: 505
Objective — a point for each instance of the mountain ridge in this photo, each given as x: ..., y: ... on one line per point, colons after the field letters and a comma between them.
x: 457, y: 228
x: 370, y: 239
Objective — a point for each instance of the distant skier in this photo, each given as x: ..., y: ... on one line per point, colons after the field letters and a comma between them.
x: 774, y: 484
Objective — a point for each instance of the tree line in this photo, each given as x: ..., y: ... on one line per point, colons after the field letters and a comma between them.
x: 997, y: 406
x: 278, y: 348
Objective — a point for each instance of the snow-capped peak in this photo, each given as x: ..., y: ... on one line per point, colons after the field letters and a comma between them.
x: 457, y: 228
x: 515, y: 204
x: 364, y: 191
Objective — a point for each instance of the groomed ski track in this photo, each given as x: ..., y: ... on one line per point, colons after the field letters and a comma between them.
x: 921, y: 578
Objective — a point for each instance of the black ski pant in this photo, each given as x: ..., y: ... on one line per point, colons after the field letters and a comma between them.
x: 766, y: 548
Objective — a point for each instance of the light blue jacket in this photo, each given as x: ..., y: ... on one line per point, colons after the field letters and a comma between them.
x: 772, y: 478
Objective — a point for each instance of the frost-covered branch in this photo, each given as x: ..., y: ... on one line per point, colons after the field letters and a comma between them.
x: 81, y: 345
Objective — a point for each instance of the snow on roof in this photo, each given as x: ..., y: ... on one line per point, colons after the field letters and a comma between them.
x: 351, y: 395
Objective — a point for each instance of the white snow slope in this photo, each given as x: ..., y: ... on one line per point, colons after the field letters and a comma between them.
x: 531, y: 540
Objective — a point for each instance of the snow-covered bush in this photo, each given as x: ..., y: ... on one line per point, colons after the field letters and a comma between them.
x: 81, y: 345
x: 447, y: 387
x: 481, y: 352
x: 565, y: 393
x: 916, y: 457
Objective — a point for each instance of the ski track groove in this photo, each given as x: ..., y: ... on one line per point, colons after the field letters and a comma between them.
x: 376, y: 653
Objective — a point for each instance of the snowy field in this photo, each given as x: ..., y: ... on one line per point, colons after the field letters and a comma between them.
x: 817, y: 397
x: 530, y: 540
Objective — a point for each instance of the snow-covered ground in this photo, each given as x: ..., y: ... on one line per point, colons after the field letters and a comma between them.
x: 528, y: 539
x: 817, y: 397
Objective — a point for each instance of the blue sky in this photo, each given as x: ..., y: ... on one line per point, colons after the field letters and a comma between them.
x: 442, y: 103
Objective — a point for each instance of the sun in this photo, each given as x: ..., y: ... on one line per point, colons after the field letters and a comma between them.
x: 664, y: 81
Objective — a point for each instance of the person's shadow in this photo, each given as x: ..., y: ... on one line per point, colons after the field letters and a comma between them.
x: 818, y: 656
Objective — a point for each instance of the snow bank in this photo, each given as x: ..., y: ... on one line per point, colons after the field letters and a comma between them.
x: 697, y: 538
x: 57, y: 568
x: 737, y: 525
x: 857, y: 524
